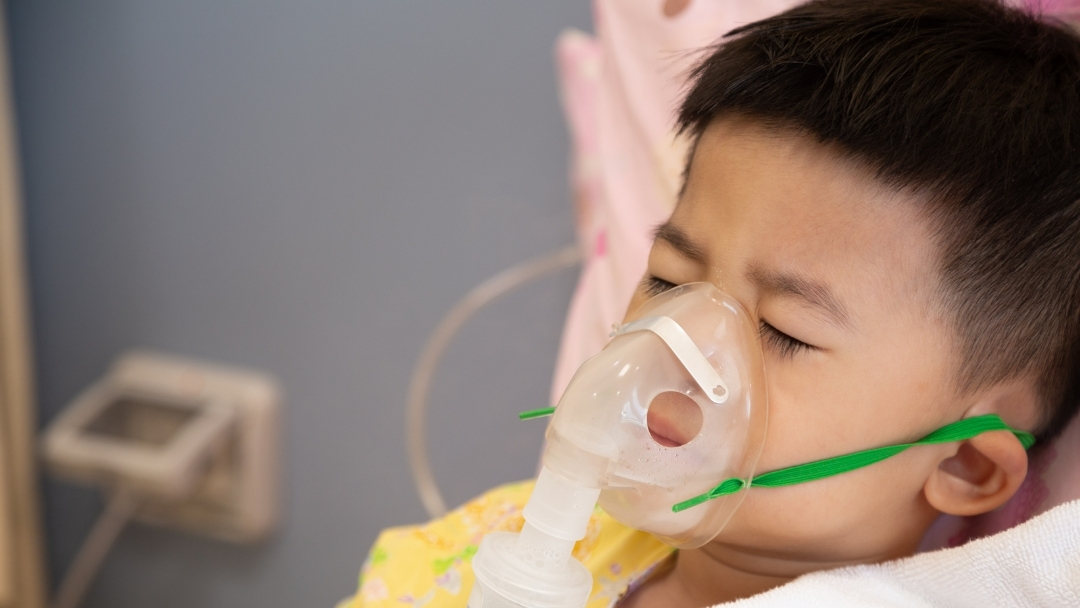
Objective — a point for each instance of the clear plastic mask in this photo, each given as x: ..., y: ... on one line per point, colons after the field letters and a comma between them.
x: 692, y: 356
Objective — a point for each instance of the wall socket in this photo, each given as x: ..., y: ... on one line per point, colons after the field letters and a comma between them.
x: 198, y: 443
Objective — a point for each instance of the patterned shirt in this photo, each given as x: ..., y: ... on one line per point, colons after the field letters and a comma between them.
x: 431, y: 565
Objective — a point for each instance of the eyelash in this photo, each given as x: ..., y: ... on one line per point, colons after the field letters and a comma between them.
x: 654, y: 286
x: 785, y: 345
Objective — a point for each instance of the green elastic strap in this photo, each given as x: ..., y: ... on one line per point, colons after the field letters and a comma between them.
x: 820, y: 469
x: 540, y: 413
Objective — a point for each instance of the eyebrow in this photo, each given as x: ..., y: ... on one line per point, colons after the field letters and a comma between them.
x: 678, y: 241
x: 812, y: 292
x: 816, y: 294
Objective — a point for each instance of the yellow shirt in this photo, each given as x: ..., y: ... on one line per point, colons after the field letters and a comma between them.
x: 431, y: 565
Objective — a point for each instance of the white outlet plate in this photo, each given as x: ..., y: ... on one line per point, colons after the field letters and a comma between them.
x: 153, y: 444
x: 236, y: 491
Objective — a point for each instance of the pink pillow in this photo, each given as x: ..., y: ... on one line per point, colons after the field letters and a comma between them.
x: 1066, y: 10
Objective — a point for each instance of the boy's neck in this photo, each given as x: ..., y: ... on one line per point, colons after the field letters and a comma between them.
x: 710, y: 575
x: 715, y: 574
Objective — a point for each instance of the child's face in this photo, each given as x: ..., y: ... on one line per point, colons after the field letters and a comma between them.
x: 820, y: 252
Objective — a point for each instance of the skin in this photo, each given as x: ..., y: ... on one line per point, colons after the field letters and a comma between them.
x: 813, y: 246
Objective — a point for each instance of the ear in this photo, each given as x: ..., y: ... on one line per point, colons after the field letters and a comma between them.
x: 984, y: 472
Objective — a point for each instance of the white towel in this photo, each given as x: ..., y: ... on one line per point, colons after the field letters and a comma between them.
x: 1034, y: 564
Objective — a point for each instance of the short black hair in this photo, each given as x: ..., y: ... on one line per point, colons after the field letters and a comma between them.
x: 971, y: 102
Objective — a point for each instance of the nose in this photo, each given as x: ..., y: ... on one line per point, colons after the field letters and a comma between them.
x: 673, y: 419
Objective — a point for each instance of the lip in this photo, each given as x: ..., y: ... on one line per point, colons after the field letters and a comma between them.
x: 664, y: 431
x: 673, y: 419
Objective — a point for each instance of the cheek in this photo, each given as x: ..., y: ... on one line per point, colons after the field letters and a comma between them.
x: 827, y: 404
x: 636, y: 301
x: 863, y: 514
x: 803, y: 413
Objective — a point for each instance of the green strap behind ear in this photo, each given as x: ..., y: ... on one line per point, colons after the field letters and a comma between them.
x: 820, y: 469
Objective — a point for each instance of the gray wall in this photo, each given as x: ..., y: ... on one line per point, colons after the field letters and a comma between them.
x: 302, y: 187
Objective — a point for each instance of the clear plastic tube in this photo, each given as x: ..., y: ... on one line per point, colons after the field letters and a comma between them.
x: 420, y: 384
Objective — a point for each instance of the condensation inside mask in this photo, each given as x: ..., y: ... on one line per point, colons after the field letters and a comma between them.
x: 692, y: 346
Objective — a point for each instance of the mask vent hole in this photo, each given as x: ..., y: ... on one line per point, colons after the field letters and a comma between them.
x: 674, y: 419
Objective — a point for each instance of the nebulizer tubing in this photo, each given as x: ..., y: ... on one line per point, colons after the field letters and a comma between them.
x: 416, y: 404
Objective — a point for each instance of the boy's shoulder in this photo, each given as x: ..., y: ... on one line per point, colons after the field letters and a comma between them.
x: 431, y: 564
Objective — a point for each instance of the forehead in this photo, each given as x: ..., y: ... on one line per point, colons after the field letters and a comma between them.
x: 761, y: 202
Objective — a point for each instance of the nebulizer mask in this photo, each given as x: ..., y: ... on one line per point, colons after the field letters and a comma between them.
x: 692, y: 349
x: 663, y: 428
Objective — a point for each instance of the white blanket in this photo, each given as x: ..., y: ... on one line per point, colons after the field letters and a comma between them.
x: 1034, y: 564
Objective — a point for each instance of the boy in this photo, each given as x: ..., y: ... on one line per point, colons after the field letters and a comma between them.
x: 892, y: 189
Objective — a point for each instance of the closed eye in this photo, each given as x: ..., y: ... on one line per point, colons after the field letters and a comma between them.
x: 785, y: 345
x: 654, y: 286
